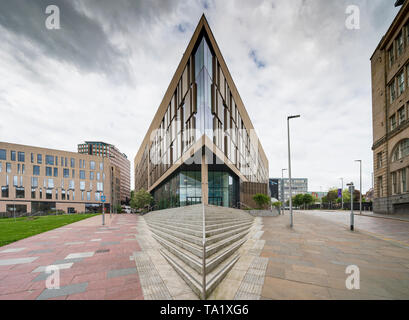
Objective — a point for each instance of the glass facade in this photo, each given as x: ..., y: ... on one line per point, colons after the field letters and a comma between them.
x: 203, y: 76
x: 185, y: 188
x: 182, y: 189
x: 223, y: 189
x: 204, y: 102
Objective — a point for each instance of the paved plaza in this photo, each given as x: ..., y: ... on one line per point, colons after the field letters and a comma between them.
x: 122, y: 261
x: 93, y: 262
x: 391, y: 228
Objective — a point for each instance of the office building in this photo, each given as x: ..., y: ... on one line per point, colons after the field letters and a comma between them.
x: 116, y: 158
x: 281, y: 187
x: 36, y: 179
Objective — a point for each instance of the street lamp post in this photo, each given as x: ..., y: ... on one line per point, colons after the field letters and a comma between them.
x: 351, y: 190
x: 289, y: 168
x: 360, y: 185
x: 282, y: 189
x: 342, y: 195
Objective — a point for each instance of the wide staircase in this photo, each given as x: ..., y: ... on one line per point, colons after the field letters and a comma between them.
x: 180, y: 233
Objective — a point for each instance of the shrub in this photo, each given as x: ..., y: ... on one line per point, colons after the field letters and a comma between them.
x: 261, y: 200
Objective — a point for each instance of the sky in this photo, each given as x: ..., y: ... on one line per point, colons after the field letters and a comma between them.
x: 103, y: 74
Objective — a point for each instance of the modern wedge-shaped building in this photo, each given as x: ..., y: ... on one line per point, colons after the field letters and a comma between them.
x: 201, y: 146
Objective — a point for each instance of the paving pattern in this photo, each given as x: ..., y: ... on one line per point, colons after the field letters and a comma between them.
x: 386, y: 229
x: 93, y: 262
x: 122, y: 261
x: 310, y: 260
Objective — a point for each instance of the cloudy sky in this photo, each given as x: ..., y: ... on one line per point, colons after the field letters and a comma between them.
x: 103, y: 75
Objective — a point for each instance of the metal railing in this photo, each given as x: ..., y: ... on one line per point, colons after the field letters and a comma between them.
x: 204, y: 255
x: 240, y: 204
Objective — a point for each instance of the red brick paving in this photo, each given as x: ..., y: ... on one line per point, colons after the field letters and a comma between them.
x: 16, y: 281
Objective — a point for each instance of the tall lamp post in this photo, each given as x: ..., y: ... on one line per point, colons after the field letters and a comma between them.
x: 289, y: 168
x: 342, y: 195
x: 282, y: 189
x: 360, y: 185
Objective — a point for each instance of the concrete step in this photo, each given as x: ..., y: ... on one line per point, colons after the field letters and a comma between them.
x: 191, y: 277
x: 195, y: 262
x: 197, y: 230
x: 179, y: 231
x: 213, y: 248
x: 194, y: 279
x: 191, y: 247
x: 196, y: 239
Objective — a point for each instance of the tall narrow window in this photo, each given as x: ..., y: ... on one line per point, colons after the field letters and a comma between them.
x: 3, y: 154
x: 36, y: 170
x: 401, y: 115
x: 21, y: 157
x: 393, y: 122
x: 391, y: 55
x: 399, y: 44
x: 13, y: 155
x: 403, y: 180
x: 401, y: 82
x: 394, y: 183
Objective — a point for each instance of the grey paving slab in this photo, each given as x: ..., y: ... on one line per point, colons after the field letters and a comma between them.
x: 40, y: 251
x: 63, y: 291
x: 109, y: 243
x: 11, y: 250
x: 7, y: 262
x: 60, y: 267
x: 74, y: 243
x: 120, y: 272
x: 63, y: 261
x: 80, y: 255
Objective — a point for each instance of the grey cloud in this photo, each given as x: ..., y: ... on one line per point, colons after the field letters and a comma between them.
x: 81, y: 41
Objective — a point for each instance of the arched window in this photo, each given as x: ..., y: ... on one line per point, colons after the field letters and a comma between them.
x: 401, y: 150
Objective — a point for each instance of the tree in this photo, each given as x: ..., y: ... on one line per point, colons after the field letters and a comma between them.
x: 298, y: 200
x: 141, y: 199
x: 332, y: 195
x: 261, y: 200
x: 308, y: 199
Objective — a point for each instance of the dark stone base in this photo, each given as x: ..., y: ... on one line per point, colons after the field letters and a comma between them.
x: 397, y: 204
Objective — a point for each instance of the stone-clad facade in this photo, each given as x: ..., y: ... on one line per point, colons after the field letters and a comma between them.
x: 390, y: 102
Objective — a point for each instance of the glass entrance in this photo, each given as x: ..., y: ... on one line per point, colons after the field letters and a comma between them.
x: 193, y: 200
x: 216, y: 201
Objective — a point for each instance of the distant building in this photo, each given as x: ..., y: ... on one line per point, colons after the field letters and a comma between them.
x: 116, y: 158
x: 390, y: 102
x: 299, y: 186
x: 369, y: 196
x: 273, y: 186
x: 318, y: 195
